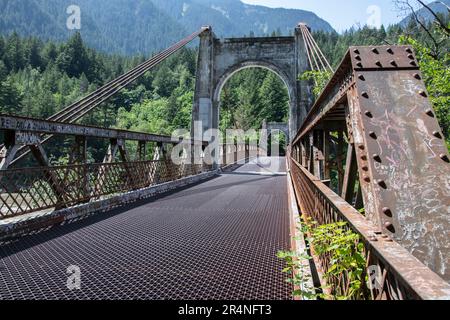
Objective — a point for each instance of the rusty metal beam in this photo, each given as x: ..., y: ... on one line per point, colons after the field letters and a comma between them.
x: 31, y: 125
x: 348, y: 187
x: 326, y: 155
x: 141, y: 152
x: 340, y: 161
x: 403, y: 161
x: 356, y: 59
x: 78, y: 154
x: 9, y: 149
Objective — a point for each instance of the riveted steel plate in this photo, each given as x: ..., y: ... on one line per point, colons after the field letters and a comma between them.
x: 409, y: 165
x: 383, y: 57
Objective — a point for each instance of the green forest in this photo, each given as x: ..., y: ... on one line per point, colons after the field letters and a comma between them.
x: 40, y: 78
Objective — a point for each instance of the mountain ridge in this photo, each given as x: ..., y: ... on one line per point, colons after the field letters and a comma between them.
x: 145, y: 26
x: 425, y: 15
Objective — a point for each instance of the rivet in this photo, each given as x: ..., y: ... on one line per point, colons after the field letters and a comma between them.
x: 410, y: 56
x: 417, y: 76
x: 359, y: 65
x: 375, y: 50
x: 444, y: 157
x: 361, y: 147
x: 389, y: 226
x: 365, y: 95
x: 413, y: 63
x: 382, y: 184
x: 356, y: 51
x: 365, y: 168
x: 408, y: 50
x: 361, y: 77
x: 369, y: 114
x: 387, y: 211
x: 373, y: 135
x: 364, y: 157
x: 378, y: 63
x: 367, y: 179
x: 377, y: 157
x: 423, y: 93
x: 393, y: 63
x: 389, y: 50
x: 429, y: 112
x: 437, y: 134
x: 358, y: 58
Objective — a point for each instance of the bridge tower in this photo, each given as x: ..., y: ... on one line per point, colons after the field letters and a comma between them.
x: 219, y: 59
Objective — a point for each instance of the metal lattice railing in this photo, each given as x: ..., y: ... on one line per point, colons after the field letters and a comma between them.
x: 29, y: 190
x: 392, y: 273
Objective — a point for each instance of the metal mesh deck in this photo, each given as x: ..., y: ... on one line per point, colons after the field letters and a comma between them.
x: 216, y: 240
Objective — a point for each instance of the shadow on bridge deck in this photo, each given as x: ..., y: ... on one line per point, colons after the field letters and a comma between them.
x: 214, y: 240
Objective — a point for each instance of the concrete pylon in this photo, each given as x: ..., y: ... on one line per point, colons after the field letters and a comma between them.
x: 203, y: 96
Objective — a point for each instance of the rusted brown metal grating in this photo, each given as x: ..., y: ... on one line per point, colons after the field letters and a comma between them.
x: 217, y: 240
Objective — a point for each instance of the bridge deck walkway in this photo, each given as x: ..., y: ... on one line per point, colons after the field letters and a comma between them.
x: 215, y: 240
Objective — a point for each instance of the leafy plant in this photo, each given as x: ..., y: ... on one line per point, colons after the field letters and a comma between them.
x: 298, y: 274
x: 320, y: 79
x: 342, y: 248
x: 345, y: 253
x: 298, y: 271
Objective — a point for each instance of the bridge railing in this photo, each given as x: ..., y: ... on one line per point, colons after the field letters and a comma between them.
x: 392, y: 273
x: 46, y: 187
x: 28, y: 190
x: 232, y: 153
x: 371, y: 153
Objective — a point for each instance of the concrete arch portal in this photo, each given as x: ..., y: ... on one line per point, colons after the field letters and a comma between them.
x: 275, y: 126
x: 219, y: 59
x: 254, y: 64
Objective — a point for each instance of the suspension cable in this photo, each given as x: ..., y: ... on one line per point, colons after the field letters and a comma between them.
x: 103, y: 93
x: 314, y: 52
x: 320, y: 51
x: 307, y: 49
x: 309, y: 36
x: 310, y: 51
x: 77, y: 110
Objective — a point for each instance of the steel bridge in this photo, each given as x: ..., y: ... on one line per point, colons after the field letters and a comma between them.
x: 369, y: 152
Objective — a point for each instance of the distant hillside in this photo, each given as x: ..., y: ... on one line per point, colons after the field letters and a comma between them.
x: 124, y: 26
x: 143, y: 26
x: 234, y: 18
x: 425, y: 15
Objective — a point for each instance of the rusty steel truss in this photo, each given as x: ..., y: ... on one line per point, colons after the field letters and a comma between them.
x: 371, y: 153
x: 21, y: 133
x: 28, y: 190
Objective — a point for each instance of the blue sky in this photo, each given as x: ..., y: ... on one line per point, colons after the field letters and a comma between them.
x: 342, y: 14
